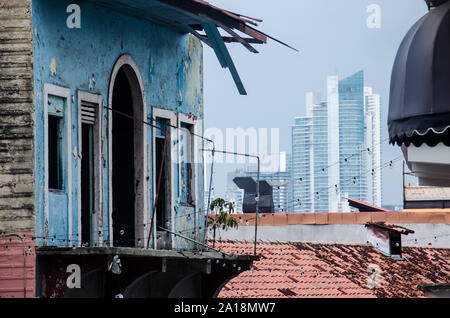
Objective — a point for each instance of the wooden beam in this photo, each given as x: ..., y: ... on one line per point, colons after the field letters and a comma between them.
x: 196, y: 9
x: 223, y: 55
x: 198, y: 35
x: 230, y: 39
x: 239, y: 38
x: 215, y: 42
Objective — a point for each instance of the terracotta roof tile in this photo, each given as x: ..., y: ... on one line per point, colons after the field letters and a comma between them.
x: 296, y: 269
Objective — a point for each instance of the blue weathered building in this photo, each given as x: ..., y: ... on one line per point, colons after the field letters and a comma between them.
x: 112, y: 57
x: 109, y: 95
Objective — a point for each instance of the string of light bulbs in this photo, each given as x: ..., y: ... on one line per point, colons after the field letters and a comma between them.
x: 346, y: 159
x: 345, y: 182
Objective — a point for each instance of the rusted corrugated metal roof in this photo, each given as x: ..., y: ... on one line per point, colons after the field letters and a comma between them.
x: 299, y: 269
x: 237, y: 16
x: 193, y: 16
x: 427, y: 193
x: 186, y: 15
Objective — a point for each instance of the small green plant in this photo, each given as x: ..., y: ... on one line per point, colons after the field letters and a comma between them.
x: 223, y: 217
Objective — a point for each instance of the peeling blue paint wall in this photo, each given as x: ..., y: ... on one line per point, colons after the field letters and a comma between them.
x: 171, y: 67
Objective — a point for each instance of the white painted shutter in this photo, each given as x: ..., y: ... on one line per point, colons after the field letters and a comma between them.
x: 88, y: 113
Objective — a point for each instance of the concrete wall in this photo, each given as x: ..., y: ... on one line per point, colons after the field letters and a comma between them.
x: 436, y: 234
x: 170, y: 65
x: 16, y: 117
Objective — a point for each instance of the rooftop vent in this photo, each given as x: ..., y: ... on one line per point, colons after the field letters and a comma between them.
x: 436, y: 290
x: 265, y: 192
x: 386, y: 238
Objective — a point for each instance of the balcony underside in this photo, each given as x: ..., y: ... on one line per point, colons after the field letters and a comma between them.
x: 143, y: 273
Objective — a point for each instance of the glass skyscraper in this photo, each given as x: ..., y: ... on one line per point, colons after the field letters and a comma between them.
x: 302, y: 165
x: 318, y: 112
x: 351, y: 136
x: 336, y: 148
x: 373, y: 130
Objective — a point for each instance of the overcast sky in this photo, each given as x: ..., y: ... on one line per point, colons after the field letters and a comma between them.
x: 333, y: 39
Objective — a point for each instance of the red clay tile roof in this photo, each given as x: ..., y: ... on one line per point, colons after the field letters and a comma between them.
x: 295, y: 269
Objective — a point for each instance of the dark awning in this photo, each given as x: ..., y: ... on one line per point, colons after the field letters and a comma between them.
x: 419, y: 107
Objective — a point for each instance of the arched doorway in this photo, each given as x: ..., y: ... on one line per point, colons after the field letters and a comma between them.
x: 127, y: 140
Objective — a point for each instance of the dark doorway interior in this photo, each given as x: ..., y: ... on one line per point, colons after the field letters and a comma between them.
x: 163, y: 206
x: 123, y: 174
x: 87, y: 182
x: 161, y: 215
x: 55, y: 153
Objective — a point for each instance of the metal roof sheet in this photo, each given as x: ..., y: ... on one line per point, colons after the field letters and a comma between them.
x: 192, y: 16
x: 189, y: 16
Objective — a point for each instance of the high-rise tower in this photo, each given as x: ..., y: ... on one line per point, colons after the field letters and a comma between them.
x: 336, y: 151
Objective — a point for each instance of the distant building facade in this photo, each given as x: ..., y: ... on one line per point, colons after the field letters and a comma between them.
x: 336, y: 151
x: 232, y: 193
x: 372, y: 109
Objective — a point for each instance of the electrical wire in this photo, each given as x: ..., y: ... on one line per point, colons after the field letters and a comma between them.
x: 162, y: 163
x: 345, y: 182
x: 322, y: 169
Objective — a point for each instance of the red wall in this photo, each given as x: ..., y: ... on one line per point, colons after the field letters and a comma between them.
x: 15, y: 252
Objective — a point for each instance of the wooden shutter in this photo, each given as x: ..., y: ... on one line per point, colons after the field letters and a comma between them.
x: 88, y: 113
